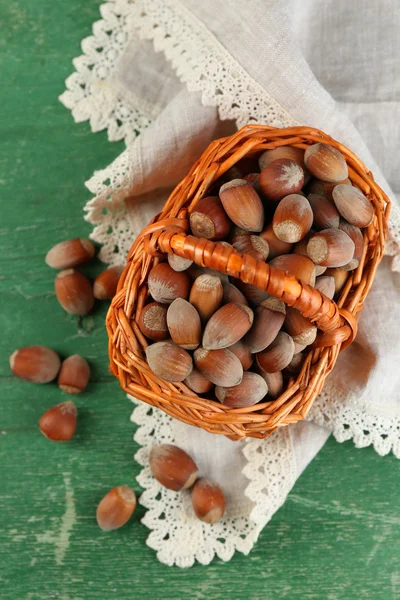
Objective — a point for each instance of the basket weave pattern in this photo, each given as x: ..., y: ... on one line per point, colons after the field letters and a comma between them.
x: 168, y: 233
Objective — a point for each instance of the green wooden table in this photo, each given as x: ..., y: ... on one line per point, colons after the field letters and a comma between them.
x: 338, y: 535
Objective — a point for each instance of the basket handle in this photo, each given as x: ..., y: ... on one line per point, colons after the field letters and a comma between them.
x: 338, y: 326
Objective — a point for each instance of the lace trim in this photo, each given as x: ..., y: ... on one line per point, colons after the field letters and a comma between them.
x: 348, y: 420
x: 92, y: 94
x: 170, y: 516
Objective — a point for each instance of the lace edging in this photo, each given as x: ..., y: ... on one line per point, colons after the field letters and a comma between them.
x: 348, y: 421
x: 170, y: 516
x: 91, y: 94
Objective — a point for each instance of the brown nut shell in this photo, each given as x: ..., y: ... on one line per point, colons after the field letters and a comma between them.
x: 302, y: 330
x: 172, y: 467
x: 169, y: 361
x: 280, y: 178
x: 209, y: 219
x: 233, y: 294
x: 198, y: 383
x: 325, y: 213
x: 356, y: 235
x: 36, y: 364
x: 105, y: 284
x: 184, y: 324
x: 340, y: 277
x: 227, y: 326
x: 267, y: 157
x: 70, y: 253
x: 250, y: 390
x: 178, y: 263
x: 292, y: 219
x: 276, y: 246
x: 298, y: 265
x: 268, y: 320
x: 277, y: 355
x: 330, y: 248
x: 274, y: 382
x: 242, y: 205
x: 326, y: 285
x: 243, y: 353
x: 222, y: 367
x: 74, y: 292
x: 206, y: 295
x: 353, y: 205
x: 152, y: 321
x: 253, y: 294
x: 208, y: 501
x: 59, y: 422
x: 326, y: 163
x: 74, y: 375
x: 165, y: 284
x: 253, y: 245
x: 116, y: 508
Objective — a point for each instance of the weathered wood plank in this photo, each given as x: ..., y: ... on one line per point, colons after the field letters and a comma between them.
x: 338, y: 535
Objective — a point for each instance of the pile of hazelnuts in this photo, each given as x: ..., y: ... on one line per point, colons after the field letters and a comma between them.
x: 230, y: 341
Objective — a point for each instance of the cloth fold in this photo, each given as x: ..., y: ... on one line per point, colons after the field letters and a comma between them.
x: 217, y: 66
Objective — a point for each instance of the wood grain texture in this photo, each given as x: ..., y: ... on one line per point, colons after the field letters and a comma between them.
x: 338, y: 535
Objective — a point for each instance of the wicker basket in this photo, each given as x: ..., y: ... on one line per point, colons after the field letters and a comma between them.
x: 168, y: 233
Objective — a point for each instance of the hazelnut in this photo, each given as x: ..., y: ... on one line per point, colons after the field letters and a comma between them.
x: 277, y: 355
x: 353, y: 205
x: 276, y: 246
x: 326, y: 163
x: 116, y: 508
x: 298, y: 265
x: 59, y: 422
x: 168, y: 361
x: 209, y: 219
x: 152, y: 321
x: 330, y: 248
x: 184, y: 324
x: 206, y: 295
x: 227, y: 326
x: 267, y: 157
x: 105, y: 284
x: 198, y: 383
x: 241, y: 350
x: 165, y: 284
x: 172, y: 467
x: 242, y: 205
x: 292, y: 219
x: 269, y: 318
x: 36, y: 364
x: 254, y: 245
x: 302, y: 330
x: 208, y: 501
x: 233, y: 294
x: 74, y: 292
x: 74, y: 375
x: 326, y: 285
x: 356, y: 235
x: 70, y: 253
x: 222, y: 367
x: 325, y: 213
x: 280, y: 178
x: 248, y: 392
x: 177, y: 263
x: 274, y: 382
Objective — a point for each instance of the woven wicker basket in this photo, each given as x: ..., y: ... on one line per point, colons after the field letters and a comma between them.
x: 168, y: 233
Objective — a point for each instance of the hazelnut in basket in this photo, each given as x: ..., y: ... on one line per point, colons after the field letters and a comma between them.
x: 241, y: 293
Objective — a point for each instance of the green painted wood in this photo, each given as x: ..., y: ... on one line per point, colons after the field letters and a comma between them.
x: 338, y: 535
